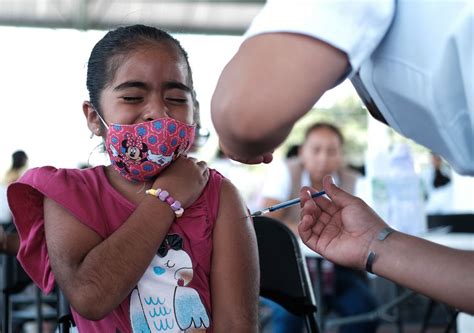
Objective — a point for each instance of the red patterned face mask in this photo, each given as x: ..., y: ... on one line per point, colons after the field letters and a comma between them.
x: 139, y: 152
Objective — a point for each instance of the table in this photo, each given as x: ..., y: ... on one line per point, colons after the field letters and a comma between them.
x: 462, y: 241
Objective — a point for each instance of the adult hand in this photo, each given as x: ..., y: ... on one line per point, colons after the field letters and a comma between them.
x: 247, y: 159
x: 184, y: 179
x: 341, y: 228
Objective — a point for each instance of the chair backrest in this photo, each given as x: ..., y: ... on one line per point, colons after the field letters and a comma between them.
x: 65, y: 319
x: 284, y: 276
x: 455, y: 222
x: 14, y: 280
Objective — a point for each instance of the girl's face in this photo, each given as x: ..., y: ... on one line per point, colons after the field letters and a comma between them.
x: 150, y: 83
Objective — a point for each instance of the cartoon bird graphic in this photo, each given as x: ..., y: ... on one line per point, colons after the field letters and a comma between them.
x: 159, y: 158
x: 161, y: 302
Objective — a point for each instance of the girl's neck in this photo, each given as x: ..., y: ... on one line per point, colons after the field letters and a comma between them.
x: 134, y: 192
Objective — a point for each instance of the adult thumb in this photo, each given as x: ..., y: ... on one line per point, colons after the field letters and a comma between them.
x: 337, y: 195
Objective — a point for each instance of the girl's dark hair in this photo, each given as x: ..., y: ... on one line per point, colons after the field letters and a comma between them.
x: 321, y: 125
x: 105, y: 56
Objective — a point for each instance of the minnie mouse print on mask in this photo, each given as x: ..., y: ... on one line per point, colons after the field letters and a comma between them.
x: 139, y: 152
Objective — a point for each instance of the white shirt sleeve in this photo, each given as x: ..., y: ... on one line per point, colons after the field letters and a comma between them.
x: 421, y: 77
x: 353, y: 26
x: 277, y: 184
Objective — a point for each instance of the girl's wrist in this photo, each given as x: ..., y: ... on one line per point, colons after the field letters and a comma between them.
x: 165, y: 197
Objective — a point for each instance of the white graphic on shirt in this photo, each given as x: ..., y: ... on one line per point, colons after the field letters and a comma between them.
x: 161, y: 302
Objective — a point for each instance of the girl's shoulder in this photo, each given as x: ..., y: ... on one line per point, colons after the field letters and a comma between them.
x: 212, y: 190
x: 51, y: 176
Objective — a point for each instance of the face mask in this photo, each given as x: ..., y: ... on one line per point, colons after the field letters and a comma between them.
x: 139, y: 152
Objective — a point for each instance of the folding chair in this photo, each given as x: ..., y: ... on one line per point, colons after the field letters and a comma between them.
x: 15, y: 280
x: 284, y: 276
x: 65, y: 319
x: 455, y: 222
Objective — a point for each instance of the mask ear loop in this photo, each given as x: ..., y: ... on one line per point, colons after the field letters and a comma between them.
x: 100, y: 145
x: 100, y: 117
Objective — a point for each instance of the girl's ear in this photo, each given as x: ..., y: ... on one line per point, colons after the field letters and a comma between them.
x: 93, y: 121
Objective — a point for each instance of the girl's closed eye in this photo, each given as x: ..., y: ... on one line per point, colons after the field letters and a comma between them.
x: 132, y: 99
x: 177, y: 96
x: 177, y: 99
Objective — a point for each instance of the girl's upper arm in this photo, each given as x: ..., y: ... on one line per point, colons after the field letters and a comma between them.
x: 68, y: 242
x: 235, y: 269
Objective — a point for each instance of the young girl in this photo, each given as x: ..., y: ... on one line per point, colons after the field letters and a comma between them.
x: 155, y: 241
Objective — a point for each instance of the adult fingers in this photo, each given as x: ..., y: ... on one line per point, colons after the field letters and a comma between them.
x: 305, y: 195
x: 326, y: 205
x: 305, y: 228
x: 309, y: 216
x: 340, y: 197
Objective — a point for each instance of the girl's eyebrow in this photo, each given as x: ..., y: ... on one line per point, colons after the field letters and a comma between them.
x: 131, y: 84
x: 176, y: 85
x: 141, y: 85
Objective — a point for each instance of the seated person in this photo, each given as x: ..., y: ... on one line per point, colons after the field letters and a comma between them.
x: 155, y: 231
x: 347, y: 291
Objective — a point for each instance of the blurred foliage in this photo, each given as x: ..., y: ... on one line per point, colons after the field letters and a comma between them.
x: 349, y: 115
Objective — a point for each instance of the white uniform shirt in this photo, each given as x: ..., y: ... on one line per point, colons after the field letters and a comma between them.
x: 418, y: 69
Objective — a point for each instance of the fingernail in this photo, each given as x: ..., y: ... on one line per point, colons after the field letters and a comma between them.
x: 332, y: 180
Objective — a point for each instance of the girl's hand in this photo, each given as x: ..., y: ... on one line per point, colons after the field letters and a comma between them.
x: 340, y: 229
x: 184, y: 179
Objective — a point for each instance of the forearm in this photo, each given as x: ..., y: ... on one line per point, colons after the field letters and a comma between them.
x: 99, y: 281
x: 271, y: 82
x: 439, y: 272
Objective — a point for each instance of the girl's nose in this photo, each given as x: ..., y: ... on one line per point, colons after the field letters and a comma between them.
x: 154, y: 110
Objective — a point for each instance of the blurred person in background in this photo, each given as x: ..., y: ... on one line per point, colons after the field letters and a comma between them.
x: 347, y: 291
x: 438, y: 186
x: 9, y: 241
x: 18, y: 167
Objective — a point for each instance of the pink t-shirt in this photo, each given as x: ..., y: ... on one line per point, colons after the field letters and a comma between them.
x: 90, y: 198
